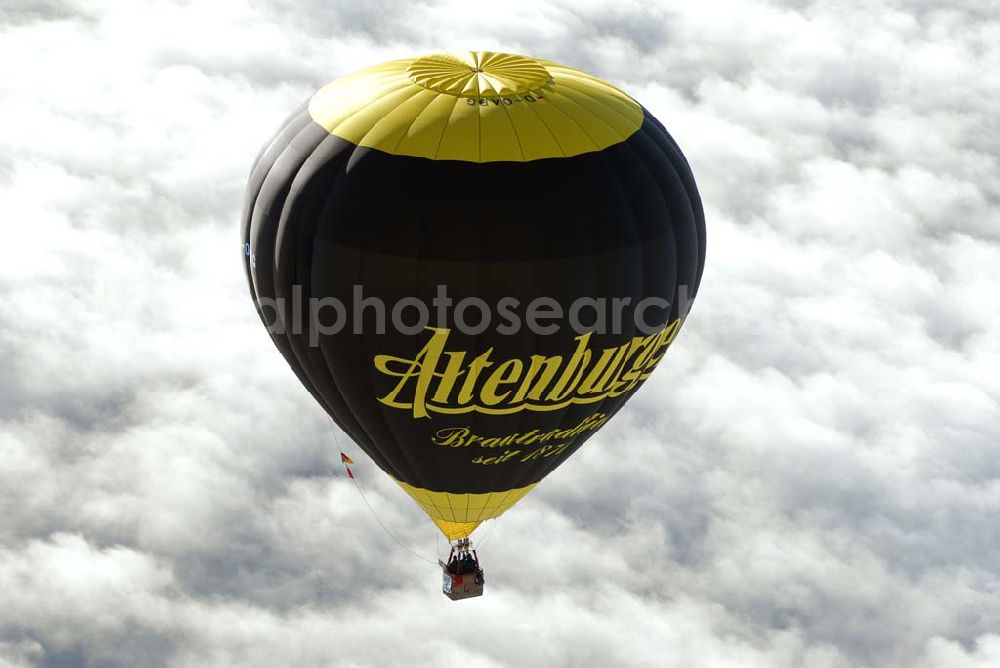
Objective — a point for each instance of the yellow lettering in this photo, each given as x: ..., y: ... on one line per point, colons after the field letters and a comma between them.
x: 448, y: 378
x: 421, y: 369
x: 580, y: 358
x: 508, y: 372
x: 452, y: 436
x: 478, y: 364
x: 440, y: 381
x: 534, y: 392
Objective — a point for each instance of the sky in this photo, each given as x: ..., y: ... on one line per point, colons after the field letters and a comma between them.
x: 811, y: 478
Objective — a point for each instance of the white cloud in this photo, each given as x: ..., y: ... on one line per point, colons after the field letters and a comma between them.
x: 810, y: 479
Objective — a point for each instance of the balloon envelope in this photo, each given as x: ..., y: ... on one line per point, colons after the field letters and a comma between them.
x: 472, y: 261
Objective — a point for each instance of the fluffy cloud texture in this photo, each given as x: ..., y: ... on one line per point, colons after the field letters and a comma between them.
x: 811, y: 479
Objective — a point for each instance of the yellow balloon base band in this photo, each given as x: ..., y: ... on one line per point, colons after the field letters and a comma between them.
x: 458, y: 515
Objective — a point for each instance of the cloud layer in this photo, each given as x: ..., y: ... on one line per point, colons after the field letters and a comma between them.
x: 811, y: 479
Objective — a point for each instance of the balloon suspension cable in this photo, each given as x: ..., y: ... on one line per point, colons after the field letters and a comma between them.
x: 489, y: 532
x: 370, y: 508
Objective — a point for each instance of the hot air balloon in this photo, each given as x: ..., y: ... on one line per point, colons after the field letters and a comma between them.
x: 472, y: 261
